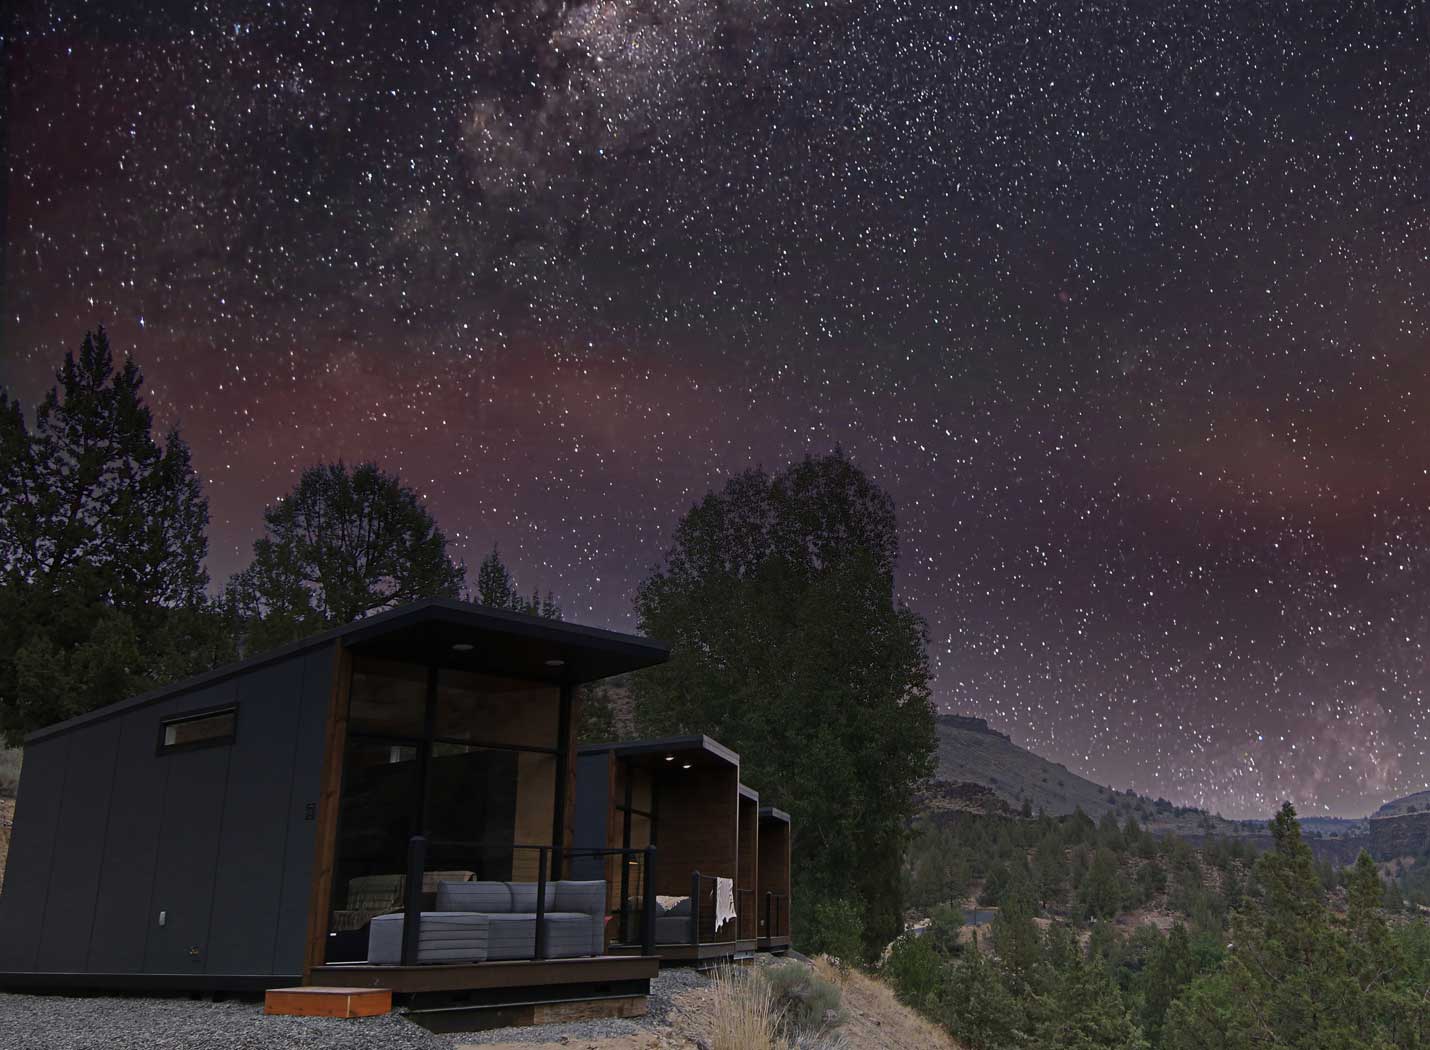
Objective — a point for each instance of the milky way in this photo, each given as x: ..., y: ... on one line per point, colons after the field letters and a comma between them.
x: 1127, y: 305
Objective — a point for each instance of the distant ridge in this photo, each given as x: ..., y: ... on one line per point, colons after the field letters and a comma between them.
x: 1419, y: 802
x: 971, y: 752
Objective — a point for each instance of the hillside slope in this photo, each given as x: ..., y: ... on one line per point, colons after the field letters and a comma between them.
x: 970, y: 752
x: 1396, y: 807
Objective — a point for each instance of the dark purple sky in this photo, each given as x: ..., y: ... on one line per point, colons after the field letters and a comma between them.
x: 1127, y: 305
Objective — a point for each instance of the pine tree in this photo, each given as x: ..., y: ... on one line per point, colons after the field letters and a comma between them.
x: 495, y: 586
x: 102, y: 543
x: 342, y: 545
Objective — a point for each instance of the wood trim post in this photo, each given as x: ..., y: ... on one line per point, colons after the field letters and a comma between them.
x: 329, y: 795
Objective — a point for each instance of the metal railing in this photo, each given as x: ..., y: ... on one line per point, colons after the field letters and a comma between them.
x: 776, y: 920
x: 548, y: 859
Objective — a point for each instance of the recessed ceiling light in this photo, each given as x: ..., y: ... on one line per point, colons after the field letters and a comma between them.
x: 670, y: 758
x: 686, y: 766
x: 555, y: 663
x: 462, y: 647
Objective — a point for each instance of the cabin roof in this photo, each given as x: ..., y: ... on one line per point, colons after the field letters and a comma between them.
x: 508, y: 643
x: 771, y: 813
x: 750, y: 793
x: 670, y: 745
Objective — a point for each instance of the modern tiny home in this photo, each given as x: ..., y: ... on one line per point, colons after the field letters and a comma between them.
x: 247, y: 828
x: 682, y: 796
x: 773, y: 880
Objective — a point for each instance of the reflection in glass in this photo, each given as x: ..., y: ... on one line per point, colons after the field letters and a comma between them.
x: 388, y: 699
x: 495, y: 710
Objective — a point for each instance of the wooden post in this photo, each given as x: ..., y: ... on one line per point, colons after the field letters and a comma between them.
x: 647, y: 904
x: 412, y: 899
x: 325, y: 837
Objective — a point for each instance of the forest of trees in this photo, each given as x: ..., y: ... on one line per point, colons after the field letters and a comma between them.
x: 104, y: 533
x: 1271, y: 951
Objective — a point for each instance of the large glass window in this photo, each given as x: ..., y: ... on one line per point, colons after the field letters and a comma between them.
x: 486, y: 709
x: 478, y: 775
x: 388, y: 699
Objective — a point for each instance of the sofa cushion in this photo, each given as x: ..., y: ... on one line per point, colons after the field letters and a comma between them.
x: 511, y: 936
x: 442, y: 937
x: 523, y: 897
x: 587, y: 897
x: 491, y: 897
x: 568, y: 934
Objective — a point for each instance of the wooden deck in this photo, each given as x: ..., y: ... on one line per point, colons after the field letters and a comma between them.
x: 494, y: 976
x: 686, y: 953
x: 774, y: 944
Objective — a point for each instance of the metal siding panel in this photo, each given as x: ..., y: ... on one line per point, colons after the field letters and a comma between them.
x: 131, y: 843
x: 78, y: 853
x: 27, y: 871
x: 291, y: 944
x: 249, y: 884
x: 189, y: 833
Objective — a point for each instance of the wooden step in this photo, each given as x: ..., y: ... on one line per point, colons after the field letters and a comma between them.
x: 314, y: 1001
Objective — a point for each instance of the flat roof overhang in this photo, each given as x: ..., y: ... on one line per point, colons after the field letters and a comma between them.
x: 749, y: 793
x: 508, y: 643
x: 699, y: 751
x: 491, y: 641
x: 771, y: 813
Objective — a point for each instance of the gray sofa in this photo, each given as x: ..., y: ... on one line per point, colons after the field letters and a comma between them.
x: 491, y: 921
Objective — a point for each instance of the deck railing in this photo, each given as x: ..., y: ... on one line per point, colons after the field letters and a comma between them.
x: 548, y: 859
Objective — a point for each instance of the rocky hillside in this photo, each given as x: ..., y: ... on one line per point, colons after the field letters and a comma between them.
x: 969, y: 752
x: 1398, y: 807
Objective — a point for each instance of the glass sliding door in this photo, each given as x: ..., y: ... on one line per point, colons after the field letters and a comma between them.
x: 472, y: 762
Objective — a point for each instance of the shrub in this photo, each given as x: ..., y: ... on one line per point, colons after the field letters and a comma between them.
x: 835, y: 927
x: 915, y: 971
x: 805, y: 1003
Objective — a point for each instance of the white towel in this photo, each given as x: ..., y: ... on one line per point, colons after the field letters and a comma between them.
x: 724, y: 901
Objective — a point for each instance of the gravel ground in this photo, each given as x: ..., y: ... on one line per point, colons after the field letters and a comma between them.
x: 663, y: 990
x: 55, y: 1022
x: 59, y: 1022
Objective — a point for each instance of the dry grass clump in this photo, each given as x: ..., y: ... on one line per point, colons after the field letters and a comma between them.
x: 875, y: 1017
x: 743, y: 1014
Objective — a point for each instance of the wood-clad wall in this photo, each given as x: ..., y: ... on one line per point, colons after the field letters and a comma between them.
x: 749, y: 844
x: 774, y: 868
x: 697, y: 825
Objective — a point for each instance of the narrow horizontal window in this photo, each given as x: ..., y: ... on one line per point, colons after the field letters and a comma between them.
x: 207, y: 729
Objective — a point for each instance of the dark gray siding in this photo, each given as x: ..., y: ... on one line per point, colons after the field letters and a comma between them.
x: 109, y: 833
x: 291, y: 943
x: 27, y: 871
x: 74, y: 877
x: 131, y: 842
x: 190, y: 823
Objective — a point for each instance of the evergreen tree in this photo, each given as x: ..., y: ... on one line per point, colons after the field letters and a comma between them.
x: 102, y: 543
x: 342, y: 545
x: 1101, y: 893
x: 791, y: 647
x: 496, y: 587
x: 1170, y: 969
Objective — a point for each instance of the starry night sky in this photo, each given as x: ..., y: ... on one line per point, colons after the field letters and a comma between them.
x: 1127, y: 304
